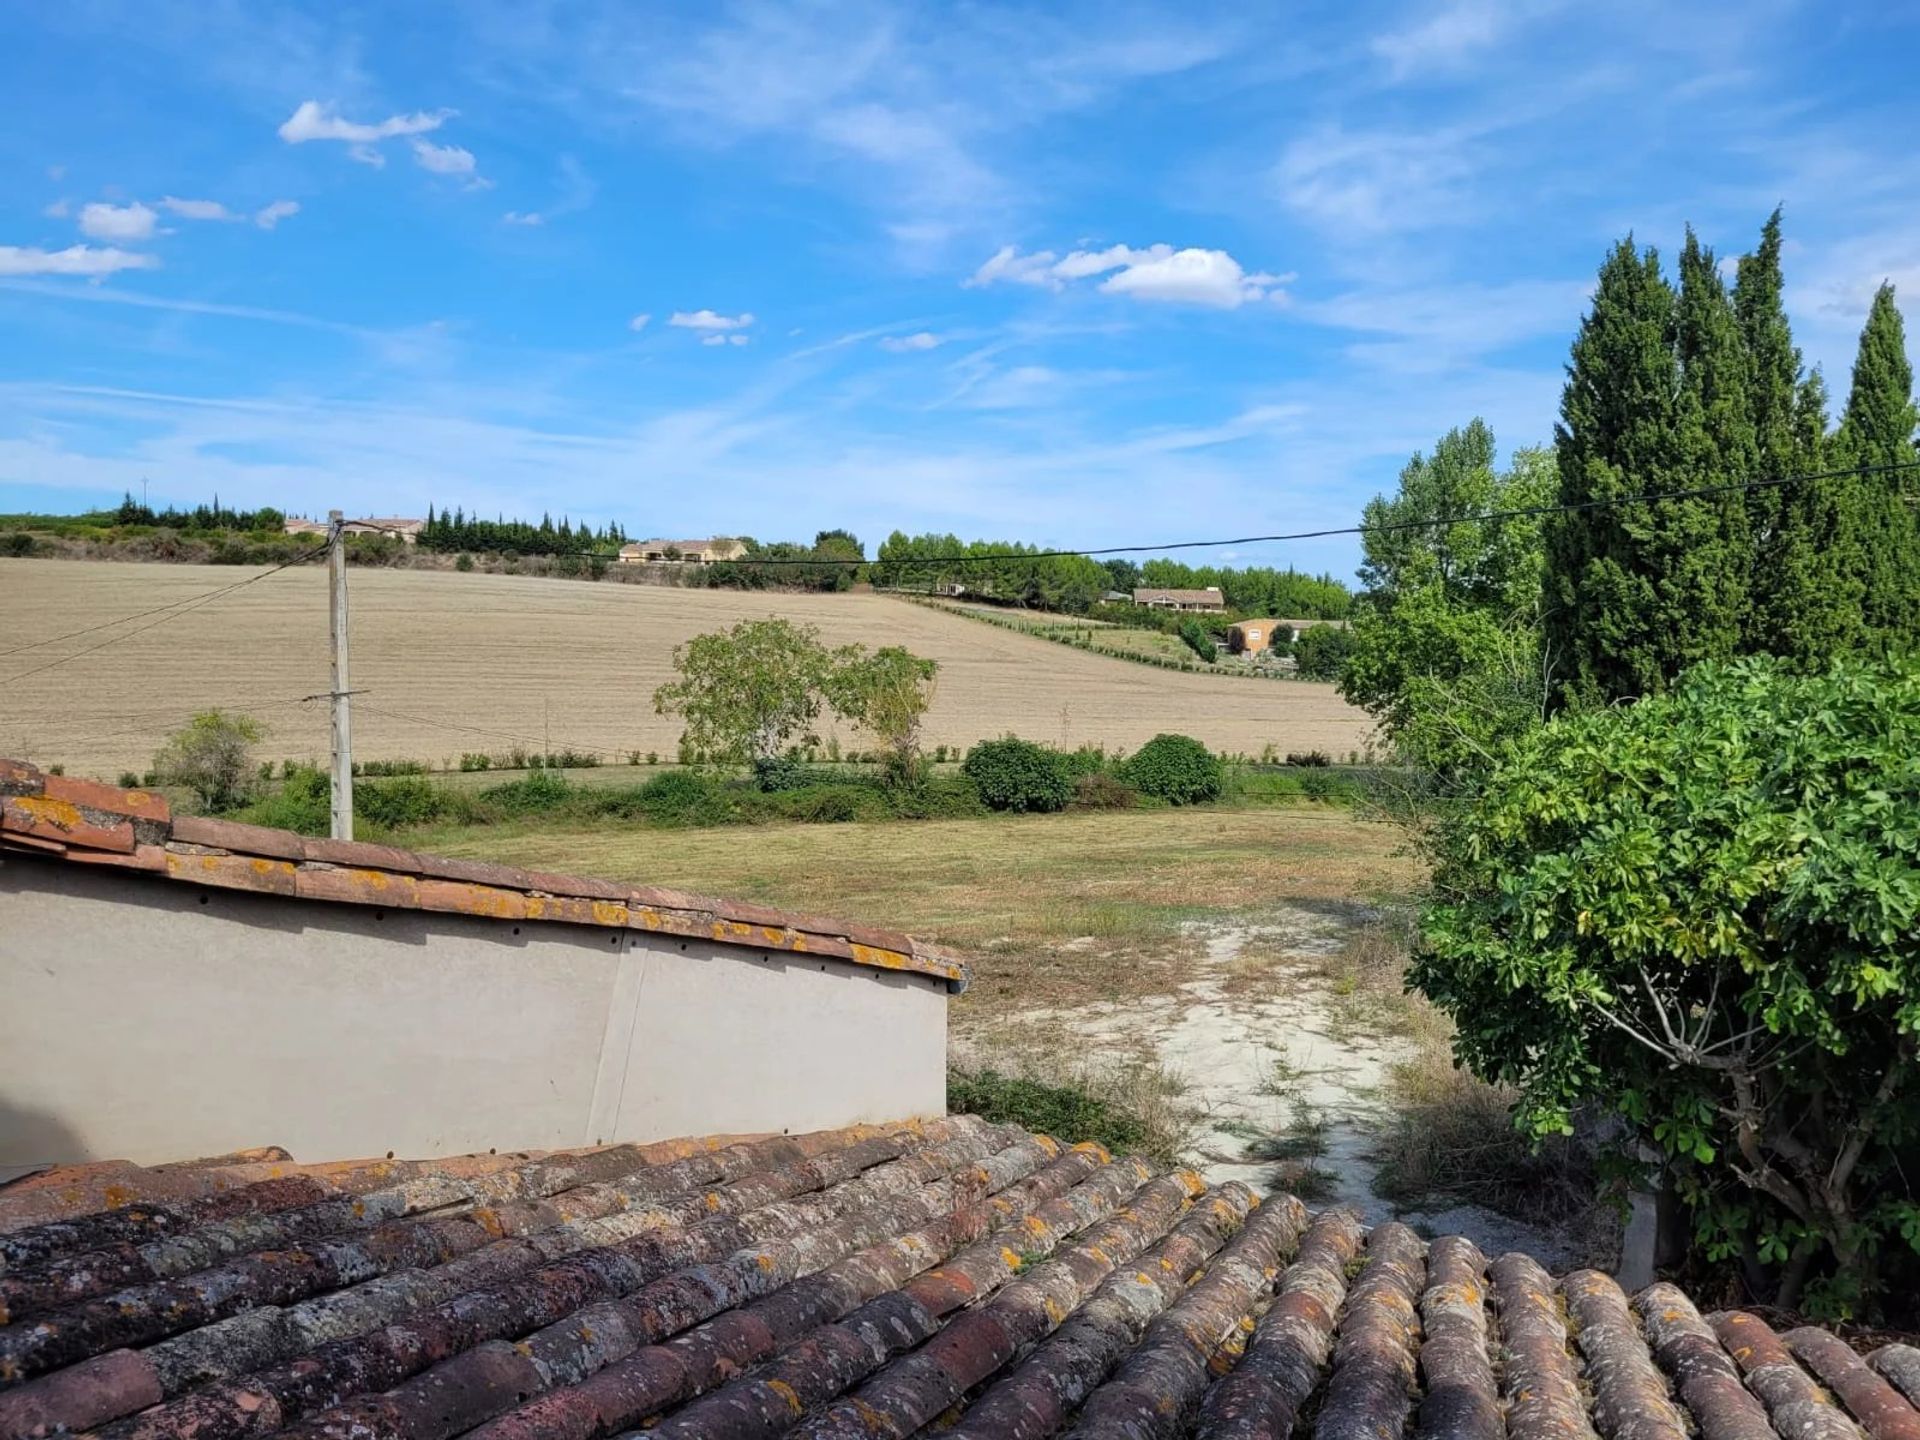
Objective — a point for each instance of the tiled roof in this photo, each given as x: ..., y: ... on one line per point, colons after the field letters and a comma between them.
x: 1148, y: 596
x: 85, y: 822
x: 871, y: 1282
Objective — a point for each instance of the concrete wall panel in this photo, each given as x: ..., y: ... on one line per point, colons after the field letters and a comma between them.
x: 149, y: 1021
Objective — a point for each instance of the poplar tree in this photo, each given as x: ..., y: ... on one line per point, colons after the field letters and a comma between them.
x: 1877, y: 430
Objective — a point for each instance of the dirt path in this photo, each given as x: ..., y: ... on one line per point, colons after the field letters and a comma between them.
x: 1285, y: 1074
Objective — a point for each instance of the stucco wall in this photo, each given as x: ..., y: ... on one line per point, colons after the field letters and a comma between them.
x: 152, y: 1021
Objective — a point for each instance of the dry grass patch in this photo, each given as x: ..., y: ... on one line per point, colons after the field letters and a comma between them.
x: 1054, y: 911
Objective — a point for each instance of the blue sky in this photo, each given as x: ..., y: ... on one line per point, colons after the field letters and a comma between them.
x: 1078, y: 274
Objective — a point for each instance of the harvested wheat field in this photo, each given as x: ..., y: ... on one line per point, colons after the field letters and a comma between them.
x: 518, y: 659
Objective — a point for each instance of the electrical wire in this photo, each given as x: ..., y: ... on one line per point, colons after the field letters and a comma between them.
x: 173, y: 613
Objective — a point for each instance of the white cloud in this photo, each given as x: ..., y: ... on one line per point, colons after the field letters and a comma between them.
x: 196, y: 209
x: 1192, y: 276
x: 902, y: 344
x: 724, y: 339
x: 271, y: 214
x: 639, y: 322
x: 448, y: 160
x: 367, y: 155
x: 314, y: 121
x: 74, y: 260
x: 710, y: 320
x: 523, y: 217
x: 100, y: 221
x: 57, y: 210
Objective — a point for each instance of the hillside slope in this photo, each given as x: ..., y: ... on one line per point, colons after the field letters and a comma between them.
x: 529, y: 658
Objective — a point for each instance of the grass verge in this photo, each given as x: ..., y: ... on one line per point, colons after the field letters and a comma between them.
x: 1130, y: 1109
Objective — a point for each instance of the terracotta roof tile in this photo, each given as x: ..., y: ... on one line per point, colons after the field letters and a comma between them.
x: 91, y: 823
x: 866, y: 1282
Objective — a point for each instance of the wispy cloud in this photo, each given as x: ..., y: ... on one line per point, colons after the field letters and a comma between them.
x: 87, y: 260
x: 271, y: 214
x: 1376, y: 181
x: 906, y: 344
x: 1444, y: 37
x: 197, y: 209
x: 639, y: 322
x: 1191, y: 276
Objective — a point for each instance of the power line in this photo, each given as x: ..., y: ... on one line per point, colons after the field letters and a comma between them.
x: 173, y: 613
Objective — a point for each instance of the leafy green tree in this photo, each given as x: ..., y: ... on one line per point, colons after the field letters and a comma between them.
x: 887, y: 693
x: 1320, y: 652
x: 1447, y: 650
x: 748, y: 693
x: 212, y: 755
x: 1702, y: 911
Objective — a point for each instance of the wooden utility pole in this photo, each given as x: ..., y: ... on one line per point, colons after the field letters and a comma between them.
x: 342, y: 812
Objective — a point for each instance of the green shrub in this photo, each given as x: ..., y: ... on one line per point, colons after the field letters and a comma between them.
x: 1308, y: 757
x: 129, y: 780
x: 1068, y: 1113
x: 303, y: 804
x: 1174, y: 768
x: 685, y: 797
x: 1318, y: 785
x: 475, y: 760
x: 392, y: 804
x: 1702, y: 911
x: 774, y: 773
x: 1196, y: 638
x: 539, y: 793
x: 939, y: 797
x: 1015, y: 774
x: 1086, y: 760
x: 830, y: 804
x: 464, y: 563
x: 1101, y: 791
x: 16, y: 543
x: 1320, y: 653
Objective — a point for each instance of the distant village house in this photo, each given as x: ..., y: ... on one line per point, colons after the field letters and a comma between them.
x: 681, y: 552
x: 407, y: 529
x: 1247, y: 637
x: 1209, y: 600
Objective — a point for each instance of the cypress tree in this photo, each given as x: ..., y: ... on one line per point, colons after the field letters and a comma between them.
x: 1610, y: 629
x: 1877, y: 429
x: 1817, y: 581
x: 1774, y: 404
x: 1709, y: 551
